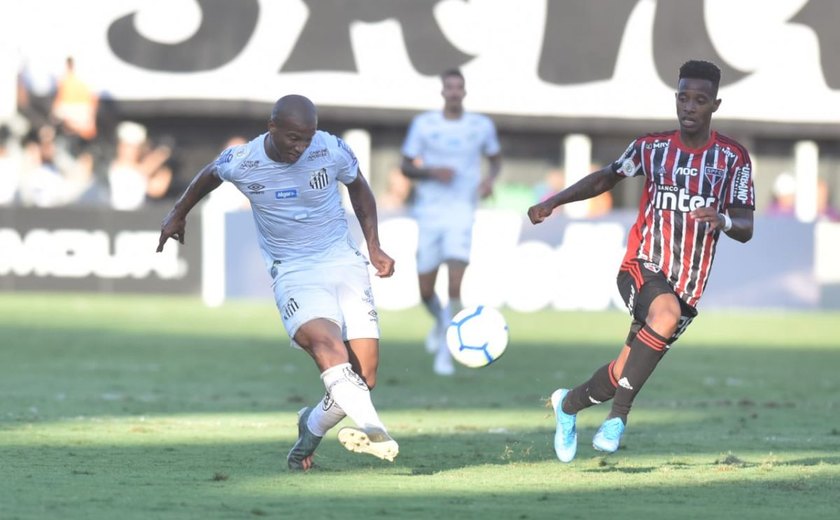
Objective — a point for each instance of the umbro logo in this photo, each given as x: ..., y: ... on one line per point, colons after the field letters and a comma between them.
x: 256, y: 187
x: 624, y: 383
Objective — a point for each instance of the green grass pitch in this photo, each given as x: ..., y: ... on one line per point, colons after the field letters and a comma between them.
x: 151, y: 407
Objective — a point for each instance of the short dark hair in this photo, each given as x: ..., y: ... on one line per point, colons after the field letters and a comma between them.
x: 699, y: 69
x: 451, y: 73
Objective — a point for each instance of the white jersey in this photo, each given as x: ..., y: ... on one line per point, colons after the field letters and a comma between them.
x: 458, y: 144
x: 297, y: 207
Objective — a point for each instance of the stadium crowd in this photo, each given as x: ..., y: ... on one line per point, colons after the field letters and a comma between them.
x: 70, y: 146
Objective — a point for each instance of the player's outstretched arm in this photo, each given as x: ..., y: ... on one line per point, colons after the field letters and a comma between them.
x: 364, y: 206
x: 590, y: 186
x: 175, y: 222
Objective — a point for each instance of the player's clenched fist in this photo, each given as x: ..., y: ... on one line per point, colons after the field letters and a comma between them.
x: 539, y: 212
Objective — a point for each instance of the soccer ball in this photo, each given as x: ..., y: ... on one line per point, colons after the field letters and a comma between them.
x: 477, y: 336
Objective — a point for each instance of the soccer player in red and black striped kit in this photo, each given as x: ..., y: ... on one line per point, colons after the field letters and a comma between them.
x: 698, y: 184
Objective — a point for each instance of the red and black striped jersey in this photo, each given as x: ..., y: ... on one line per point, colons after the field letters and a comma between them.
x: 679, y: 179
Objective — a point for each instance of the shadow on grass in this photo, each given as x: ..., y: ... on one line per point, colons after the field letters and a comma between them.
x: 232, y: 479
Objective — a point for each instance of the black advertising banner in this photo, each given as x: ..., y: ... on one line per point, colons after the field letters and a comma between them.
x: 97, y: 250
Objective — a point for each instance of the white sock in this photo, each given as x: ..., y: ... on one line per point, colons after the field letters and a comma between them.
x: 324, y: 416
x: 352, y: 395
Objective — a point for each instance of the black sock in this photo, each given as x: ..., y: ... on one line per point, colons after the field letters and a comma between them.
x: 598, y: 389
x: 646, y: 349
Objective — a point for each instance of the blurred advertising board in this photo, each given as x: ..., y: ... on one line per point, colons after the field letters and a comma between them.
x: 94, y: 250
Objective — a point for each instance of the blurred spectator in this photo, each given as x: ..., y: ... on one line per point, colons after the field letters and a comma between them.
x: 397, y: 192
x: 555, y: 180
x: 138, y: 170
x: 75, y: 107
x: 783, y: 201
x: 599, y: 205
x: 37, y: 83
x: 42, y: 182
x: 10, y: 165
x: 825, y: 209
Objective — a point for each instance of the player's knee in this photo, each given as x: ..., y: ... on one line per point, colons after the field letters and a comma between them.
x: 664, y: 315
x: 325, y: 350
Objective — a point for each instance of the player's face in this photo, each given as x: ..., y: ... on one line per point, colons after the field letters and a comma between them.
x: 695, y: 105
x: 290, y: 138
x: 453, y: 92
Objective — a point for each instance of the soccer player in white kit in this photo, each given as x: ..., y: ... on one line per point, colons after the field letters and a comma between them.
x: 442, y: 154
x: 320, y: 278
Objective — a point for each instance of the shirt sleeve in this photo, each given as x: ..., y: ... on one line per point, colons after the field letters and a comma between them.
x: 630, y: 162
x: 223, y: 163
x: 491, y: 142
x: 741, y: 193
x: 413, y: 145
x: 346, y: 163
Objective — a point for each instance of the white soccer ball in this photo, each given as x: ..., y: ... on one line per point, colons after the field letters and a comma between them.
x: 477, y: 336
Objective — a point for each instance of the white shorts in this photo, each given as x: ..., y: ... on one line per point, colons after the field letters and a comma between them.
x: 441, y: 242
x: 337, y: 291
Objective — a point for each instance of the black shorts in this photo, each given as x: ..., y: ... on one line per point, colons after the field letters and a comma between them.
x: 639, y: 282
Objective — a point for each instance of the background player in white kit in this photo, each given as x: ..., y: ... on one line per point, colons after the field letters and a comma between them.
x: 442, y: 154
x: 320, y: 279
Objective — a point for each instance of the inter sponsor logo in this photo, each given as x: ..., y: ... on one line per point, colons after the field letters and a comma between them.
x: 289, y: 193
x: 674, y: 198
